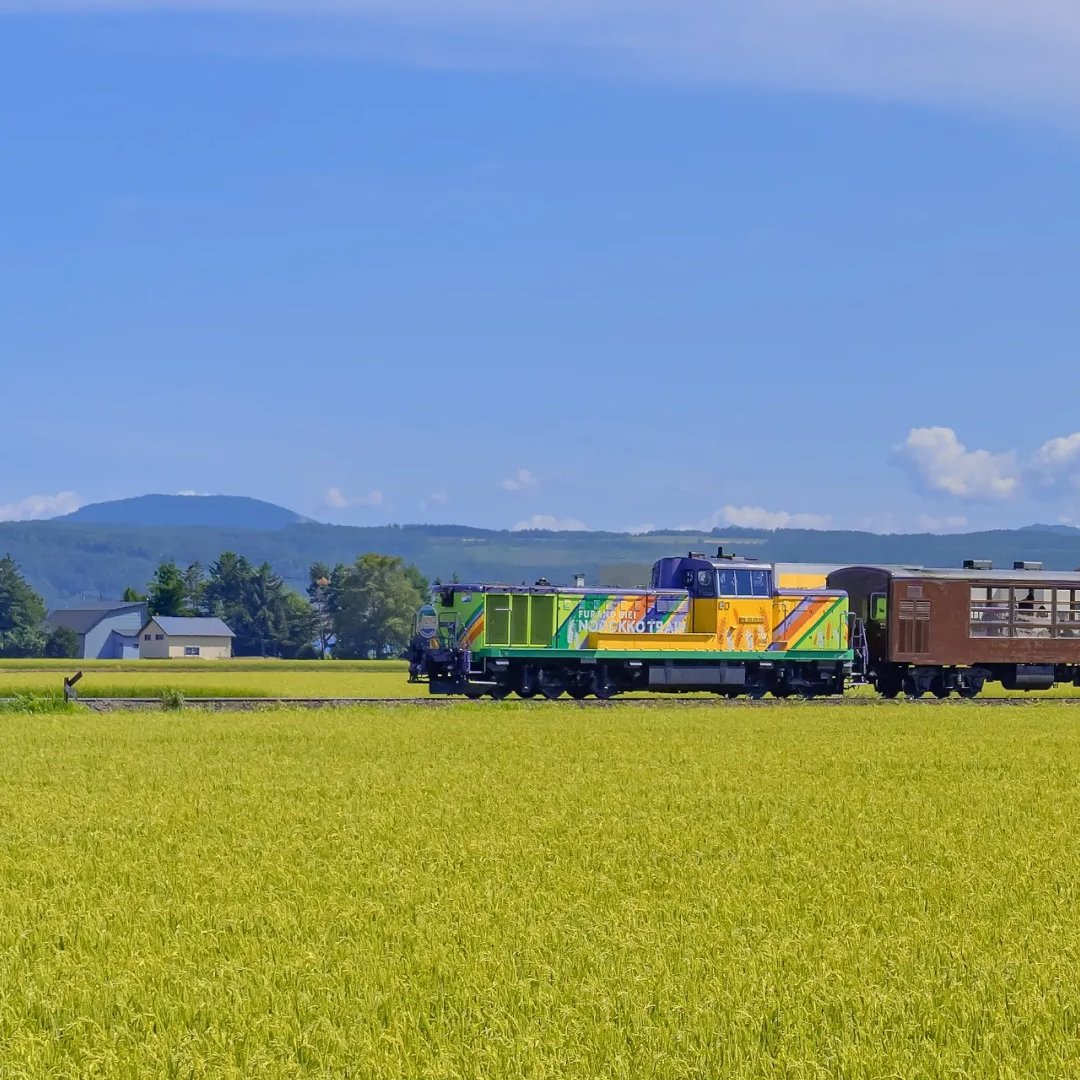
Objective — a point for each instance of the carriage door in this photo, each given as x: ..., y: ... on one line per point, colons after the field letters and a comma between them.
x: 914, y: 619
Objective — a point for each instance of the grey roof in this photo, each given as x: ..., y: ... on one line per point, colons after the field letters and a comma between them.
x: 178, y: 626
x: 84, y: 617
x: 1020, y: 577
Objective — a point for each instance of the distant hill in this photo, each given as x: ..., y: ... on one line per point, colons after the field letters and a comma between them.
x: 187, y: 511
x: 1063, y: 530
x: 70, y: 559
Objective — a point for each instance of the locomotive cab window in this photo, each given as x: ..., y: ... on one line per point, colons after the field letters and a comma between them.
x: 753, y: 582
x: 703, y: 583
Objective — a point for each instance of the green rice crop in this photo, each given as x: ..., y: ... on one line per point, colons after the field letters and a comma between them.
x: 504, y: 891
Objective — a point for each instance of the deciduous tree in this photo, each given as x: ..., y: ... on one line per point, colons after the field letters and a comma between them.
x: 374, y: 603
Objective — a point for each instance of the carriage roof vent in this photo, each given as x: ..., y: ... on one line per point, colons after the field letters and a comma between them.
x: 1027, y: 565
x: 978, y: 564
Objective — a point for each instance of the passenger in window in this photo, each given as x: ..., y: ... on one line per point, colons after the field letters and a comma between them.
x: 1028, y: 603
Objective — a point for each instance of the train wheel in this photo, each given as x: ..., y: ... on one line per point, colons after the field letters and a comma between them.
x: 939, y: 689
x: 499, y: 693
x: 911, y: 689
x: 551, y: 686
x: 969, y: 692
x: 527, y: 687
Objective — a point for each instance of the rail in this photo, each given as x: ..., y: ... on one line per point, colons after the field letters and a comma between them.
x: 233, y: 704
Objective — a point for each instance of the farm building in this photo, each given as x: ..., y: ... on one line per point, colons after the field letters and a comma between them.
x: 168, y: 637
x: 108, y: 630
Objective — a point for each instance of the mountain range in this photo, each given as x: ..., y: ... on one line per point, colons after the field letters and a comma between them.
x: 99, y: 550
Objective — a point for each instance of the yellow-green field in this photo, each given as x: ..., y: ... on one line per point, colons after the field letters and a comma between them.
x: 231, y: 678
x: 262, y: 678
x: 499, y: 891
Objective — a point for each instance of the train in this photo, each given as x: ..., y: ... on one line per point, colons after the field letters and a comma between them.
x: 737, y: 627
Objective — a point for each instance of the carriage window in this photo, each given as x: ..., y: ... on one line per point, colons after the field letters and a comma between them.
x: 990, y: 612
x: 1067, y: 613
x: 1032, y: 612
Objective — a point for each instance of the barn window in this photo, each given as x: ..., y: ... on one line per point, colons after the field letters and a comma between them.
x: 191, y: 650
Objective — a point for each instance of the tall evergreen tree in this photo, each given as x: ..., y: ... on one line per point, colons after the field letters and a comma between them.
x: 22, y: 614
x: 319, y: 591
x: 168, y: 590
x: 195, y: 586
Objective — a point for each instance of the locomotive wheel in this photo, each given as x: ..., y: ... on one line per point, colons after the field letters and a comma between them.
x: 551, y: 686
x: 498, y: 693
x: 474, y: 693
x: 527, y: 688
x: 970, y: 692
x: 578, y: 693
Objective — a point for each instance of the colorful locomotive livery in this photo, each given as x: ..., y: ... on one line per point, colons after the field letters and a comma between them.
x: 703, y: 624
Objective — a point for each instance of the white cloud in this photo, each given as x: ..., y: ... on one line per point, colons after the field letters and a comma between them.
x: 639, y: 530
x: 194, y: 494
x: 948, y: 524
x: 40, y: 507
x: 520, y: 481
x: 549, y: 523
x: 941, y: 464
x: 337, y: 498
x: 1004, y: 51
x: 757, y: 517
x: 1054, y: 468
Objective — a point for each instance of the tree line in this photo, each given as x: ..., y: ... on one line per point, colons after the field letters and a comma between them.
x: 350, y: 611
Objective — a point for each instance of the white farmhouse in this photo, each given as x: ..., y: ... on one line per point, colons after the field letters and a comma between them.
x: 167, y: 637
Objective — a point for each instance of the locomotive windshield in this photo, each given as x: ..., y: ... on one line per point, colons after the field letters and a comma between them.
x: 736, y: 582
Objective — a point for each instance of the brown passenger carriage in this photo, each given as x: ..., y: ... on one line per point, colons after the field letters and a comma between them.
x: 943, y: 631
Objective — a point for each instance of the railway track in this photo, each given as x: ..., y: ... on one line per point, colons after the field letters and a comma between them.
x: 105, y: 705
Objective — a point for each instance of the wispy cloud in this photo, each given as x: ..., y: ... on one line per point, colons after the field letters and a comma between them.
x: 336, y: 498
x: 549, y: 523
x: 522, y: 480
x: 40, y: 507
x: 757, y: 517
x: 1003, y: 50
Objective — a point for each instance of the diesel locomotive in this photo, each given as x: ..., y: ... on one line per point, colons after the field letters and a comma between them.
x: 730, y: 626
x: 716, y: 624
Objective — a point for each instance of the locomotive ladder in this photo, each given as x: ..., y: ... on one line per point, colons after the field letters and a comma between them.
x: 860, y: 646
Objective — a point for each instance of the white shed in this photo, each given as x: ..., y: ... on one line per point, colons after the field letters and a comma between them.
x: 169, y: 637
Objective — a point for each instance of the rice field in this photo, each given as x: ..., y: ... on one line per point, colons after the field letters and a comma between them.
x: 499, y: 891
x: 232, y: 678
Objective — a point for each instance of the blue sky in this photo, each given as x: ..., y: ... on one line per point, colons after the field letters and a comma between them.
x: 620, y: 264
